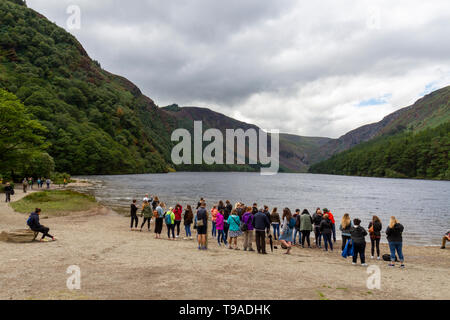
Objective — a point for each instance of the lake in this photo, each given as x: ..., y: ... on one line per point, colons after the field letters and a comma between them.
x: 422, y: 206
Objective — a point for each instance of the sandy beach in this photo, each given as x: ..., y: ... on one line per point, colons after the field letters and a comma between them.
x: 117, y: 263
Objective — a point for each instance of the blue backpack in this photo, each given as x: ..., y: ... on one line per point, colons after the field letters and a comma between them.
x: 29, y: 221
x: 168, y: 218
x: 292, y: 223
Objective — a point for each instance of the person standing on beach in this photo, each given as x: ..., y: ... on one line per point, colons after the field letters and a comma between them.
x: 188, y: 219
x: 178, y: 211
x: 286, y: 230
x: 214, y: 212
x: 255, y: 208
x: 358, y: 234
x: 146, y: 198
x: 261, y: 223
x: 202, y: 226
x: 345, y: 228
x: 226, y: 226
x: 220, y: 225
x: 394, y: 236
x: 297, y: 227
x: 155, y: 203
x: 305, y: 227
x: 133, y: 214
x: 275, y: 221
x: 235, y: 230
x: 247, y: 221
x: 240, y: 210
x: 220, y: 206
x: 169, y: 219
x: 199, y: 203
x: 445, y: 238
x: 375, y: 227
x: 159, y: 217
x: 267, y: 213
x: 317, y: 219
x: 9, y: 190
x: 333, y: 222
x: 147, y: 213
x: 326, y: 230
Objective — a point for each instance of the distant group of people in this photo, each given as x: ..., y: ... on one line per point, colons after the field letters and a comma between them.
x: 28, y: 183
x: 254, y: 224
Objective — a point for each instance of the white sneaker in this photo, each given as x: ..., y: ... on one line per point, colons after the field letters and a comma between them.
x: 354, y: 263
x: 371, y: 257
x: 177, y: 236
x: 364, y: 264
x: 378, y: 258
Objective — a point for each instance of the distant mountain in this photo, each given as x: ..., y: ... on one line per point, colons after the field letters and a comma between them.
x: 295, y: 151
x: 429, y: 111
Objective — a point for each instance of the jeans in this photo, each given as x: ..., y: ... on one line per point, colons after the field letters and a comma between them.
x: 333, y: 228
x: 226, y: 227
x: 134, y: 219
x: 187, y: 228
x: 359, y: 248
x: 327, y: 240
x: 276, y: 230
x: 299, y: 236
x: 344, y: 241
x: 177, y: 224
x: 260, y: 241
x: 221, y: 237
x: 305, y: 236
x: 148, y: 223
x: 8, y: 197
x: 213, y: 228
x: 44, y: 231
x: 171, y: 227
x: 393, y: 246
x: 318, y: 236
x: 375, y: 243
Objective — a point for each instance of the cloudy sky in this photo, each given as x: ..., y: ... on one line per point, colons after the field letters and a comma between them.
x: 316, y: 68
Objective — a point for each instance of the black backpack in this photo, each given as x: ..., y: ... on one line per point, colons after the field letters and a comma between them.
x: 387, y: 257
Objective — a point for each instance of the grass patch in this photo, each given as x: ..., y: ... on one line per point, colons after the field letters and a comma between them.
x: 55, y: 202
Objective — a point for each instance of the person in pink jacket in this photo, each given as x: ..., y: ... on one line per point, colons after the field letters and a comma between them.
x: 219, y: 226
x: 214, y: 213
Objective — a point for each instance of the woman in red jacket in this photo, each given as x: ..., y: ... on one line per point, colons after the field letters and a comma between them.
x: 178, y: 212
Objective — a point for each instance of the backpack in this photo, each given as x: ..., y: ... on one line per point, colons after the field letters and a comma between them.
x: 244, y: 226
x: 387, y: 257
x: 168, y: 218
x: 29, y: 221
x: 292, y: 223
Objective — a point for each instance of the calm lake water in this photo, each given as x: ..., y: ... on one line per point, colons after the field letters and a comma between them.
x: 422, y: 206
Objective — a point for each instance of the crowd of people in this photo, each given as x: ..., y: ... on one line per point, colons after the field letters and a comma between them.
x: 254, y: 224
x: 28, y: 183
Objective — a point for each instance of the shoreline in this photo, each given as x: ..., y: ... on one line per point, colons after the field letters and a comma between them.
x: 119, y: 264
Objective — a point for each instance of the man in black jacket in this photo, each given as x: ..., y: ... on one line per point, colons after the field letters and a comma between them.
x: 8, y: 192
x: 358, y: 234
x: 34, y: 224
x: 260, y: 223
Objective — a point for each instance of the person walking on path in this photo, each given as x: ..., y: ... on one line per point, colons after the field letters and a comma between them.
x: 333, y: 222
x: 178, y: 211
x: 345, y: 227
x: 286, y: 230
x: 305, y: 227
x: 394, y: 236
x: 169, y: 219
x: 159, y: 217
x: 133, y: 215
x: 261, y: 224
x: 9, y: 190
x: 275, y: 221
x: 326, y: 230
x: 188, y: 219
x: 147, y: 213
x: 202, y: 226
x: 358, y: 234
x: 375, y: 227
x: 235, y: 229
x: 34, y: 224
x: 48, y: 181
x: 247, y: 224
x: 317, y: 219
x: 24, y: 185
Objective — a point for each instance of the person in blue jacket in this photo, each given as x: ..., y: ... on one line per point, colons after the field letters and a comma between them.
x: 34, y: 224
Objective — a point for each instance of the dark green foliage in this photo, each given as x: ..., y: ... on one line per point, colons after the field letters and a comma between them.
x: 96, y: 122
x: 404, y: 155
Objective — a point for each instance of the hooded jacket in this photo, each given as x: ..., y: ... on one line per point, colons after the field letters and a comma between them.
x: 219, y: 221
x: 275, y: 217
x: 247, y: 218
x: 325, y: 226
x: 178, y: 211
x: 376, y: 229
x: 317, y: 218
x: 358, y: 233
x: 395, y: 234
x: 33, y: 221
x: 305, y: 222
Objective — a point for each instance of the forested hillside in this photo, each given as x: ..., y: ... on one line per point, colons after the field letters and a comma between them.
x: 96, y: 122
x: 409, y: 154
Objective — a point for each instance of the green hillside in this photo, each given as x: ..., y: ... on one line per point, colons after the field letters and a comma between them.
x: 409, y: 154
x: 96, y: 122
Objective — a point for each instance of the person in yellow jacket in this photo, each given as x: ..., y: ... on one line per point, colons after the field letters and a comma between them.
x: 169, y: 219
